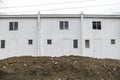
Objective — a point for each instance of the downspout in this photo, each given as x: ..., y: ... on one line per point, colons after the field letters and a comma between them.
x: 39, y: 35
x: 82, y: 47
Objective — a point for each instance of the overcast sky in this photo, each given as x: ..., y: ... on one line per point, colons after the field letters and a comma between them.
x: 64, y: 6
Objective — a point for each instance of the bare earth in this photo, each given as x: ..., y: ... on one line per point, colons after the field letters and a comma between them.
x: 59, y: 68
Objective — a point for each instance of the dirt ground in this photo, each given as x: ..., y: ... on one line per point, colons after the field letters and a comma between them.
x: 59, y: 68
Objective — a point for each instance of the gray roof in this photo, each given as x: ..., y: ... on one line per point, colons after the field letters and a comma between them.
x: 60, y: 16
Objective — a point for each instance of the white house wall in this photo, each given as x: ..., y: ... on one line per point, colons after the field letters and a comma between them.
x: 16, y: 42
x: 50, y: 30
x: 26, y: 30
x: 110, y: 30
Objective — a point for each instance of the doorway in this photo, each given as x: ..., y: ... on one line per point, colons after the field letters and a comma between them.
x: 97, y: 44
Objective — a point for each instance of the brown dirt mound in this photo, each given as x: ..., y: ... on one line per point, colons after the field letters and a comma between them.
x: 59, y: 68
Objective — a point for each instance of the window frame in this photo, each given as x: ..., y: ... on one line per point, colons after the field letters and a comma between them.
x: 61, y: 25
x: 30, y: 42
x: 87, y: 43
x: 2, y: 44
x: 16, y: 26
x: 113, y: 42
x: 49, y: 41
x: 75, y: 43
x: 96, y: 25
x: 13, y: 26
x: 64, y: 25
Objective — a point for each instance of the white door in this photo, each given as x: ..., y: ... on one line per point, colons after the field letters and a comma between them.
x: 13, y: 47
x: 97, y: 48
x: 66, y: 47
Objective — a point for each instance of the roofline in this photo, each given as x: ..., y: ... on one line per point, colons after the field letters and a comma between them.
x: 101, y: 16
x: 61, y: 16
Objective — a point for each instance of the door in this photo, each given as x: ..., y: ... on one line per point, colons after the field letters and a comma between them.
x: 66, y: 47
x: 97, y: 48
x: 13, y: 47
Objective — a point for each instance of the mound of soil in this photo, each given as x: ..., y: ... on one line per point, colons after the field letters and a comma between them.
x: 59, y: 68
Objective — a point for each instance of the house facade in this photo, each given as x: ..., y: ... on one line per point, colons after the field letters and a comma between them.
x: 60, y: 34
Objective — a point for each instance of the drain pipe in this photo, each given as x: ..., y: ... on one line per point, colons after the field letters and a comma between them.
x: 82, y: 40
x: 39, y: 34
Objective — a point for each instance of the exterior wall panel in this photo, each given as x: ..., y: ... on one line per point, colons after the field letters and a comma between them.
x: 26, y: 30
x: 50, y: 29
x: 110, y: 30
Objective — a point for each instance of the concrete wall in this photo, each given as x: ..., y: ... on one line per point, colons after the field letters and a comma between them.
x: 50, y: 30
x: 110, y: 30
x: 16, y: 42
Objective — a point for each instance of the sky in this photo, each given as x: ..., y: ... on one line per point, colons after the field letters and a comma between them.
x: 59, y: 6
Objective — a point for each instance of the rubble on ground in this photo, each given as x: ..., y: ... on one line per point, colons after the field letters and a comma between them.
x: 59, y: 68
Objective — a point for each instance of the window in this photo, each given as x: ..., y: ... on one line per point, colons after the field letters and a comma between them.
x: 87, y: 44
x: 61, y: 25
x: 49, y: 41
x: 96, y: 25
x: 30, y: 42
x: 64, y: 25
x: 2, y: 43
x: 75, y: 43
x: 112, y: 41
x: 13, y: 26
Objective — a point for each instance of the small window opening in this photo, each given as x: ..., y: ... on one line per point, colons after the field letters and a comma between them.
x: 2, y: 43
x: 49, y: 41
x: 75, y: 43
x: 30, y: 42
x: 112, y: 41
x: 87, y: 44
x: 96, y: 25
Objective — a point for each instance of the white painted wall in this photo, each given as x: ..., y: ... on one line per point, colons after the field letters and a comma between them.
x: 50, y: 30
x: 110, y: 30
x: 26, y: 30
x: 28, y: 27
